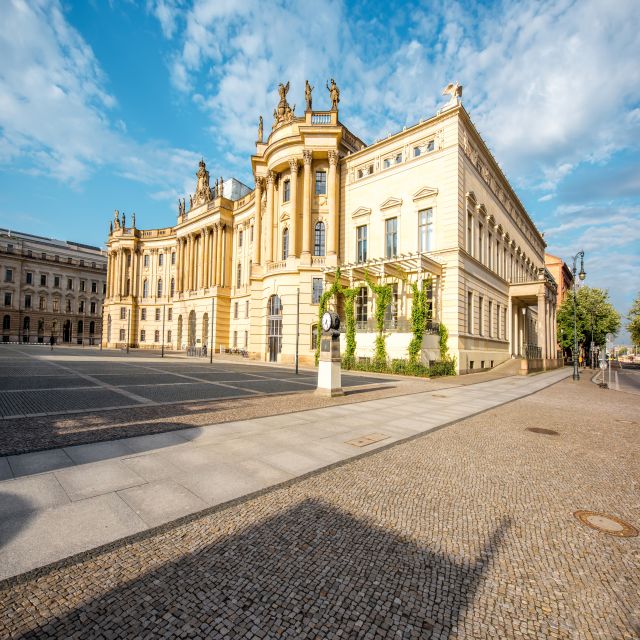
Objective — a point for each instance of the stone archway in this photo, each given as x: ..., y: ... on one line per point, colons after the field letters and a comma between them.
x: 191, y: 329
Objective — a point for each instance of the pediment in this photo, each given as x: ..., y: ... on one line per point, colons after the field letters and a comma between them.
x: 391, y: 202
x: 361, y: 212
x: 284, y: 216
x: 425, y: 192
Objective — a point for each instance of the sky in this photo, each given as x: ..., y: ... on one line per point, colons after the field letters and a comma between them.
x: 109, y: 104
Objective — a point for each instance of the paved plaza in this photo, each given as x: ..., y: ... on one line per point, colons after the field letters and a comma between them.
x: 464, y: 532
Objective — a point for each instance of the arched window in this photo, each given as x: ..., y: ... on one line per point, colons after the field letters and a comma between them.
x: 145, y: 288
x: 239, y: 276
x: 173, y: 287
x: 285, y: 244
x: 159, y: 287
x: 319, y: 242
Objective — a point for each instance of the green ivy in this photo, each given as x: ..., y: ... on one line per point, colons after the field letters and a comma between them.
x: 403, y: 367
x: 420, y: 316
x: 444, y: 336
x: 383, y: 294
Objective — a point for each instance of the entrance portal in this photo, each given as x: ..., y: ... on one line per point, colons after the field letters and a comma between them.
x: 274, y: 328
x: 66, y: 331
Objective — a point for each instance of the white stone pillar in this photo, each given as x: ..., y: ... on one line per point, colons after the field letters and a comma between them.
x: 307, y: 158
x: 257, y: 225
x: 332, y: 232
x: 293, y: 213
x: 271, y: 178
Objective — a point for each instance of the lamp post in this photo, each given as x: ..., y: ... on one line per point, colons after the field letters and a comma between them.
x: 582, y: 275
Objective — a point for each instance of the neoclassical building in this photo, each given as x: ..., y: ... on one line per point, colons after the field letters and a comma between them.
x: 245, y: 268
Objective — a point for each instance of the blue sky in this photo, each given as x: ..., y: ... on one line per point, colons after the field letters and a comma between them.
x: 110, y: 104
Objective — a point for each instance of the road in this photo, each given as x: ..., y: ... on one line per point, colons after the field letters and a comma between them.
x: 626, y: 378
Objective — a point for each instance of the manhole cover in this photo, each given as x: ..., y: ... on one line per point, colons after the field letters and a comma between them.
x: 544, y: 432
x: 363, y: 441
x: 606, y: 523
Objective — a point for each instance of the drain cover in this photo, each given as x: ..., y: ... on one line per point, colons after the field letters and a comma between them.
x: 544, y: 432
x: 363, y: 441
x: 606, y: 523
x: 438, y: 395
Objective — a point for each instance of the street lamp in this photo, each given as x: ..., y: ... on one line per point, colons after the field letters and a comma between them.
x: 582, y: 275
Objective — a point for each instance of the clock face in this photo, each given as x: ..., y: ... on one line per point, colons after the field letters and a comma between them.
x: 326, y: 321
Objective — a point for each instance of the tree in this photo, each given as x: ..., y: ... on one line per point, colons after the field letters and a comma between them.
x: 634, y: 321
x: 596, y: 317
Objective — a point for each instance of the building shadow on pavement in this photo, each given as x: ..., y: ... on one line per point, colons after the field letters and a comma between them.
x: 15, y: 513
x: 307, y: 572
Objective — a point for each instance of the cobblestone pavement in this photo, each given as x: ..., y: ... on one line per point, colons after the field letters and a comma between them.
x: 467, y: 532
x: 167, y: 394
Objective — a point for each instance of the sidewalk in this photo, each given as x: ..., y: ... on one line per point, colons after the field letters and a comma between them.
x: 66, y: 501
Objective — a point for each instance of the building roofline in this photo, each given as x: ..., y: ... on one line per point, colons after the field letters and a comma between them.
x: 51, y: 241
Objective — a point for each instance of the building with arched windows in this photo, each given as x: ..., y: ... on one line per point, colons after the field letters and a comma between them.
x: 428, y: 205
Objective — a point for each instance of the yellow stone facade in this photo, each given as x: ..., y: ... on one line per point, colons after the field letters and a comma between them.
x: 243, y: 269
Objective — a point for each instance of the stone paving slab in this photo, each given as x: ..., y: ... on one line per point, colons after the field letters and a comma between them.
x: 223, y: 462
x: 39, y: 462
x: 186, y: 392
x: 32, y: 493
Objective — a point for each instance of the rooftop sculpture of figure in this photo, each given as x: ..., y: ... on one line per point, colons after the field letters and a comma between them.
x: 260, y: 129
x: 334, y: 94
x: 455, y: 90
x: 307, y: 94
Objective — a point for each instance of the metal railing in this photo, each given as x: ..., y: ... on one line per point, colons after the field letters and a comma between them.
x: 394, y: 325
x: 532, y: 351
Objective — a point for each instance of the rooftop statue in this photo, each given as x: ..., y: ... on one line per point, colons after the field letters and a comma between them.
x: 260, y: 129
x: 284, y: 113
x: 307, y: 94
x: 334, y: 94
x: 455, y: 90
x: 203, y: 193
x: 116, y: 219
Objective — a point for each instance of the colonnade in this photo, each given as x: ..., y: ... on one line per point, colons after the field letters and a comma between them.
x: 122, y: 272
x: 547, y: 335
x: 271, y: 222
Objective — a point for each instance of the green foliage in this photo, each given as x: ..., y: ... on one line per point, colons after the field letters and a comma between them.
x: 402, y: 367
x: 443, y: 332
x: 420, y: 316
x: 595, y: 316
x: 634, y: 321
x: 382, y: 294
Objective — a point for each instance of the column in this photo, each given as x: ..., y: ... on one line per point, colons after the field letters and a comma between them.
x: 257, y: 224
x: 271, y: 178
x: 123, y: 272
x: 293, y: 213
x: 134, y: 273
x: 205, y: 253
x: 509, y: 326
x: 307, y: 158
x: 192, y: 261
x: 178, y: 263
x: 200, y: 260
x: 227, y: 235
x: 332, y: 232
x: 542, y: 322
x: 109, y: 276
x: 218, y: 254
x: 212, y: 255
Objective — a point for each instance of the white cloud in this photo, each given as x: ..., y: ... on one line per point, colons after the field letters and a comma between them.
x: 167, y: 13
x: 55, y: 110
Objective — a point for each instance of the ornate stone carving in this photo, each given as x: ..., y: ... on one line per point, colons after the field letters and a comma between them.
x: 203, y: 191
x: 307, y: 156
x: 334, y: 94
x: 333, y: 157
x: 116, y: 219
x: 454, y: 89
x: 259, y: 183
x: 133, y: 220
x: 271, y: 178
x: 293, y: 164
x: 307, y: 95
x: 283, y: 113
x: 260, y: 129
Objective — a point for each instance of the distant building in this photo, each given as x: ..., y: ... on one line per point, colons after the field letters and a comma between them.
x: 561, y: 273
x: 50, y: 288
x: 428, y: 205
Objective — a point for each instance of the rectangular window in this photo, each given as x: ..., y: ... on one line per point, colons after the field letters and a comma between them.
x: 56, y: 281
x: 170, y: 314
x: 286, y: 191
x: 143, y: 314
x: 56, y: 258
x: 68, y: 306
x: 235, y: 339
x: 391, y: 237
x: 470, y: 234
x: 361, y: 242
x: 497, y: 267
x: 425, y: 229
x: 123, y: 313
x: 246, y: 309
x: 489, y: 248
x: 94, y: 287
x: 44, y: 256
x: 240, y: 237
x: 321, y: 183
x: 246, y: 339
x: 173, y: 257
x: 504, y: 324
x: 27, y: 301
x: 82, y: 285
x: 9, y: 248
x: 93, y: 307
x: 7, y: 299
x: 69, y: 283
x: 43, y: 303
x: 145, y: 260
x: 160, y: 259
x: 235, y: 310
x: 316, y: 293
x: 43, y: 280
x: 391, y: 312
x: 470, y: 312
x: 81, y: 306
x: 156, y: 336
x: 122, y: 334
x: 8, y: 275
x: 362, y: 306
x: 480, y: 256
x: 169, y: 335
x: 251, y: 233
x: 498, y: 333
x: 29, y: 277
x: 480, y: 313
x: 81, y: 262
x: 157, y: 315
x: 56, y: 305
x: 490, y: 319
x: 142, y: 335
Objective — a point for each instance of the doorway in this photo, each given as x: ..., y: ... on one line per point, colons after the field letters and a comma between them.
x: 66, y: 331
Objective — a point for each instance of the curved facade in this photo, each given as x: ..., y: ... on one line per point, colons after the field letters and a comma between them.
x: 243, y: 269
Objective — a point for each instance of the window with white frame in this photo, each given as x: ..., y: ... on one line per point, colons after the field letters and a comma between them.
x: 286, y: 191
x: 480, y: 315
x: 316, y: 293
x: 391, y: 237
x: 361, y: 243
x: 490, y: 325
x: 470, y: 312
x: 362, y: 305
x: 285, y: 244
x: 157, y: 314
x: 321, y: 183
x: 143, y: 314
x: 425, y: 229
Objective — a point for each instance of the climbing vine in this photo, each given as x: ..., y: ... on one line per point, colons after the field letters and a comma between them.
x: 420, y: 316
x: 444, y: 336
x: 383, y: 294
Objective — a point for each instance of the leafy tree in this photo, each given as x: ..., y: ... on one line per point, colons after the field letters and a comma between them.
x: 634, y: 321
x: 596, y: 317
